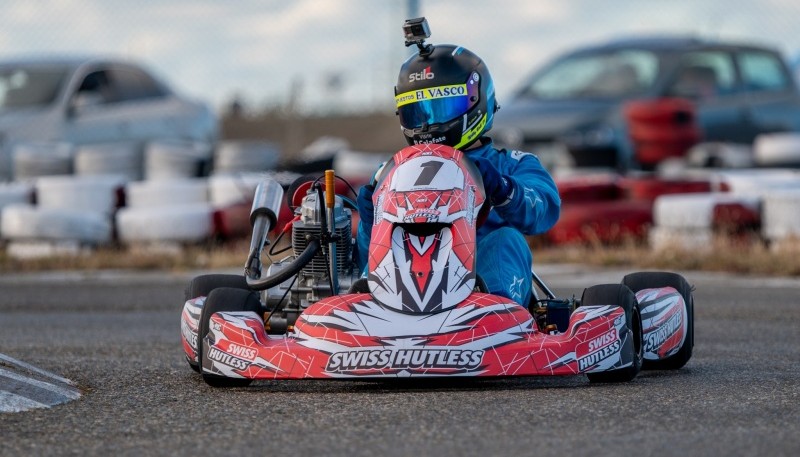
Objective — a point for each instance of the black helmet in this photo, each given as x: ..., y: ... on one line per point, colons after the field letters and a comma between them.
x: 445, y: 95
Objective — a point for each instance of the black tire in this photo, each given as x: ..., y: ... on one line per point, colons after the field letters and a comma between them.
x: 225, y: 299
x: 621, y: 295
x: 201, y: 286
x: 359, y: 286
x: 656, y: 279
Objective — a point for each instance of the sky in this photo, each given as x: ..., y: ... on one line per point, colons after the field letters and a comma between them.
x: 318, y: 56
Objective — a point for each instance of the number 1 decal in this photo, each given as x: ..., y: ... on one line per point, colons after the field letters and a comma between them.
x: 429, y: 170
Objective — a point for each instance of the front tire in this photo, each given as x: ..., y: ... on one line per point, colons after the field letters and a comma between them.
x: 621, y: 295
x: 659, y: 279
x: 201, y: 286
x: 224, y: 299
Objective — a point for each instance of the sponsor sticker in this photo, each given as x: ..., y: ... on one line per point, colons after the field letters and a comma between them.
x: 189, y: 335
x: 227, y: 359
x: 431, y: 93
x: 654, y: 340
x: 380, y: 359
x: 598, y: 349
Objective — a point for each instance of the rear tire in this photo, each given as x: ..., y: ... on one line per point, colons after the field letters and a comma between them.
x: 607, y: 294
x: 225, y: 299
x: 656, y: 279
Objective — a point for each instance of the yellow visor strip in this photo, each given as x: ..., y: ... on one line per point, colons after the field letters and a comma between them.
x: 430, y: 93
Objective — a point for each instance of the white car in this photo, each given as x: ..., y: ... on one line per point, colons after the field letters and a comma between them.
x: 93, y: 100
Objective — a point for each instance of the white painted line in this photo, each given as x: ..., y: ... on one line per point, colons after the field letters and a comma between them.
x: 66, y: 391
x: 12, y: 403
x: 34, y: 369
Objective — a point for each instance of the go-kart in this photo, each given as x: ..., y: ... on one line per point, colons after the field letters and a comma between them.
x: 421, y: 310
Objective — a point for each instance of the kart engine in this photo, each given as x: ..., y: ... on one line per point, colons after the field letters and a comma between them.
x: 313, y: 282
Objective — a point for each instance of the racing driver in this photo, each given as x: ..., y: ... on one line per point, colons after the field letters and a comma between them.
x: 524, y: 198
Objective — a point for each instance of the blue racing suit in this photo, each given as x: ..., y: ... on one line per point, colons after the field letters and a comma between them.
x: 503, y: 256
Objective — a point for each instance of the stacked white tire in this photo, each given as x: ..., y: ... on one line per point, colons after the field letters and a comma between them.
x: 176, y: 159
x: 175, y: 211
x: 781, y: 216
x: 777, y: 149
x: 686, y: 221
x: 245, y: 156
x: 123, y: 158
x: 190, y: 223
x: 31, y: 160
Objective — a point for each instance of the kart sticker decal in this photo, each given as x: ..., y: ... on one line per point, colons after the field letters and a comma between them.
x: 416, y: 273
x: 664, y: 321
x: 190, y: 318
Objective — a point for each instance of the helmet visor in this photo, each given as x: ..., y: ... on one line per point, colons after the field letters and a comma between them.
x: 437, y: 105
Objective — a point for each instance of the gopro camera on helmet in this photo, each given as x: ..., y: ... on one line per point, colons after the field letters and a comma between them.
x: 416, y: 32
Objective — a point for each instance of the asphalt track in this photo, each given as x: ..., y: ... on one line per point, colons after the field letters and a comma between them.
x: 117, y: 337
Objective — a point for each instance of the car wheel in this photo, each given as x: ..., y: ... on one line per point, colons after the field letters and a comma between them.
x: 622, y: 296
x: 653, y: 280
x: 224, y: 299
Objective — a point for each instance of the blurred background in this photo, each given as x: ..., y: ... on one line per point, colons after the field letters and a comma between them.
x: 289, y: 88
x: 343, y: 55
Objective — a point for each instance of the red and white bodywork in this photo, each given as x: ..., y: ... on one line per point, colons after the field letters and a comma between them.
x: 422, y: 316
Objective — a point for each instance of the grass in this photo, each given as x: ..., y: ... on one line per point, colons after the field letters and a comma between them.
x: 730, y: 255
x: 733, y: 255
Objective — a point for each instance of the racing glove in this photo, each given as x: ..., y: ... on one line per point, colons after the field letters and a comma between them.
x: 497, y: 186
x: 366, y: 210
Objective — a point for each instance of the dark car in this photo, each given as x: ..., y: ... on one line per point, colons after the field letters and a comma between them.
x: 631, y: 103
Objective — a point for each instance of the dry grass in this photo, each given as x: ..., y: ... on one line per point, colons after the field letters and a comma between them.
x: 724, y: 255
x: 728, y: 255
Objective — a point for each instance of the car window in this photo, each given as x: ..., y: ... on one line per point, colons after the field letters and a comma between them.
x: 606, y: 75
x: 98, y: 83
x: 704, y: 75
x: 22, y: 87
x: 762, y: 71
x: 134, y: 84
x: 120, y: 85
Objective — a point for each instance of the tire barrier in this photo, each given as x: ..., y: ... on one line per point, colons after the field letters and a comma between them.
x: 317, y: 156
x: 121, y: 158
x: 15, y: 192
x: 31, y: 160
x: 755, y: 182
x: 692, y: 221
x: 152, y: 194
x: 100, y: 193
x: 227, y: 191
x: 26, y: 222
x: 777, y: 149
x: 232, y: 221
x: 720, y: 155
x: 245, y: 156
x: 357, y: 167
x: 233, y: 188
x: 781, y: 215
x: 648, y: 187
x: 189, y: 223
x: 705, y: 210
x: 602, y: 222
x: 589, y: 188
x: 171, y: 159
x: 662, y: 128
